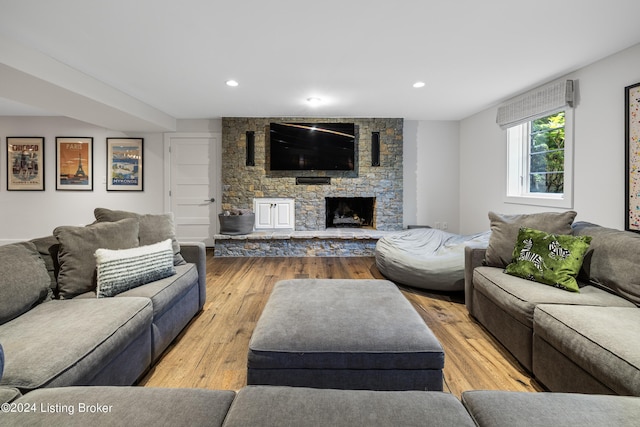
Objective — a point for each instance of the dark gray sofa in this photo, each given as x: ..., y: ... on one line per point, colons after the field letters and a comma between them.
x: 585, y: 342
x: 52, y: 338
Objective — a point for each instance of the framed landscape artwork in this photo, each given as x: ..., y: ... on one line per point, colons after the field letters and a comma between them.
x: 25, y: 163
x: 632, y: 157
x: 74, y: 163
x: 125, y: 164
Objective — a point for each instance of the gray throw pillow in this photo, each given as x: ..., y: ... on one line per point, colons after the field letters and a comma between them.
x: 505, y: 228
x: 154, y: 228
x: 24, y: 281
x: 77, y: 273
x: 612, y: 260
x: 48, y: 248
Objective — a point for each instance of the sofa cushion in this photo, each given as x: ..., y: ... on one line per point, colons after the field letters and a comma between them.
x: 552, y: 259
x: 24, y: 281
x: 298, y: 406
x: 519, y: 297
x: 124, y: 406
x: 124, y: 269
x: 504, y: 231
x: 612, y: 260
x: 165, y: 292
x: 77, y: 273
x: 522, y: 409
x: 61, y: 343
x: 603, y: 341
x: 154, y: 228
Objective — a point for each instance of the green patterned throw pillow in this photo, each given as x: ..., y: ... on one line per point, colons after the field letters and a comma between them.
x: 552, y: 259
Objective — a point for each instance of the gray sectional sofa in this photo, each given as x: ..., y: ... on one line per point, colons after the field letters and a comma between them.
x: 54, y: 329
x: 278, y: 406
x: 586, y: 342
x: 57, y: 337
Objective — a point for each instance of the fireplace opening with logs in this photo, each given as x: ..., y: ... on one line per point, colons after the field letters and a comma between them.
x: 350, y: 211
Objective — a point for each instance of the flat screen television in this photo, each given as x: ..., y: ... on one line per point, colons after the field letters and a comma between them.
x: 312, y: 146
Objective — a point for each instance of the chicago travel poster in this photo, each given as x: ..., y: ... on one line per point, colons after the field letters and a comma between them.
x: 25, y: 163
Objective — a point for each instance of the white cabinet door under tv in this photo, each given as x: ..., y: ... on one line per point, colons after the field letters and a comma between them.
x: 274, y: 213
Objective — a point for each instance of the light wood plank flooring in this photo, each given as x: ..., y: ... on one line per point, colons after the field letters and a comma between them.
x: 212, y: 351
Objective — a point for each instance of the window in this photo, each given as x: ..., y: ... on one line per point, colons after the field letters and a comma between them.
x: 540, y: 154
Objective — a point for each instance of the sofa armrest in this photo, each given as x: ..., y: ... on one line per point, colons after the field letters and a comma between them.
x: 9, y: 394
x: 473, y: 257
x: 196, y: 253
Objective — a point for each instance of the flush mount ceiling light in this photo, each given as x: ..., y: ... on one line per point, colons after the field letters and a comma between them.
x: 418, y: 85
x: 232, y: 83
x: 314, y: 101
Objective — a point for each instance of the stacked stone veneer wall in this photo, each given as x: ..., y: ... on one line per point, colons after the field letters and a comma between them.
x: 241, y: 183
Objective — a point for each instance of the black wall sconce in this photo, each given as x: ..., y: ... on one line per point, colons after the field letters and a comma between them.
x: 251, y: 148
x: 375, y: 148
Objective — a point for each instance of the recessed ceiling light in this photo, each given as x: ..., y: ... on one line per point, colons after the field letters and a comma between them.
x: 418, y: 84
x: 313, y: 101
x: 232, y: 83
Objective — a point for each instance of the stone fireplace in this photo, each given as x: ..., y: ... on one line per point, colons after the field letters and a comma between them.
x: 380, y: 183
x: 356, y: 212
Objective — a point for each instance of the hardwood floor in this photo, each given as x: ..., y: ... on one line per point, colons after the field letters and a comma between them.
x: 212, y: 351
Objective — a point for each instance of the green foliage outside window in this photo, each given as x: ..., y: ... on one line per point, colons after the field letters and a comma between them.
x: 546, y: 156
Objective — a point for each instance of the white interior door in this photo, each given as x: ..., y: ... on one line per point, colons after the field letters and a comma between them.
x: 194, y: 185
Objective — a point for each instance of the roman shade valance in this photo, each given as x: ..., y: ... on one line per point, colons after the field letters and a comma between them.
x: 536, y: 103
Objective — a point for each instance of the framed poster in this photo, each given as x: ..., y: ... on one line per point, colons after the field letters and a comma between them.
x: 74, y: 163
x: 632, y: 157
x: 25, y: 163
x: 124, y: 164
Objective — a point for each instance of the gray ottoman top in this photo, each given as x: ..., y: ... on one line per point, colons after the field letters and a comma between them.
x: 342, y: 324
x: 298, y: 406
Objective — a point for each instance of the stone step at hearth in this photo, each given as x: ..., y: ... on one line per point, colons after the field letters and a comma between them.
x: 325, y: 243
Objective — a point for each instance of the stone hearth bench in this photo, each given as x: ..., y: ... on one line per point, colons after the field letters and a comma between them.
x: 343, y: 334
x: 334, y: 242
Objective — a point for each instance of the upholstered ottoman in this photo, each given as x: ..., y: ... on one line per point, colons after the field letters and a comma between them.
x: 344, y: 334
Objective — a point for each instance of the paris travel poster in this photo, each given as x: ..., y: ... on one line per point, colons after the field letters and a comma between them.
x: 25, y: 163
x: 74, y: 161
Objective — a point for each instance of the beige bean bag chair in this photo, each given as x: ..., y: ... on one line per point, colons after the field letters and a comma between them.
x: 426, y: 258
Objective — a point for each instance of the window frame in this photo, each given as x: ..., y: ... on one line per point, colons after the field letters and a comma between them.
x: 517, y: 141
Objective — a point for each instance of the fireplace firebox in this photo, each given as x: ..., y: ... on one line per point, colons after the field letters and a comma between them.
x: 350, y: 212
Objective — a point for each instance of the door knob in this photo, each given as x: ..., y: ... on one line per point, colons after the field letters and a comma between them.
x: 210, y: 200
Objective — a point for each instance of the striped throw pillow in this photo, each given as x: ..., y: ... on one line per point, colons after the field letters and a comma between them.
x: 121, y: 270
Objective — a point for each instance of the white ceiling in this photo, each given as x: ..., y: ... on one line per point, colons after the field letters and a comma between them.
x: 360, y: 57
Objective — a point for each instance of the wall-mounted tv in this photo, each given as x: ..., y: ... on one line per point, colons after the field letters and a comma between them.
x: 312, y: 146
